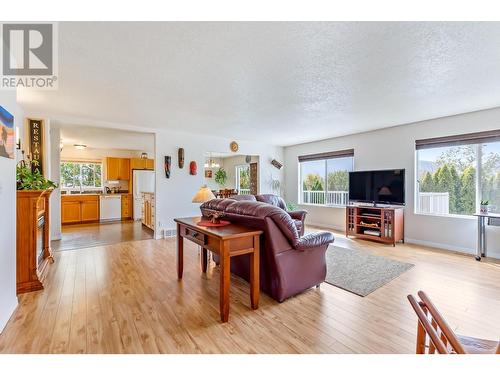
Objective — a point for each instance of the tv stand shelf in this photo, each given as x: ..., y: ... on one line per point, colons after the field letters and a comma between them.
x: 389, y: 220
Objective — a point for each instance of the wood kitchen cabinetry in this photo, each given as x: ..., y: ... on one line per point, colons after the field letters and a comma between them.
x: 117, y: 169
x: 148, y: 210
x: 126, y: 206
x: 139, y: 163
x: 79, y: 209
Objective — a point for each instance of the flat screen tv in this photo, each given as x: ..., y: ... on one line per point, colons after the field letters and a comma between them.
x: 385, y: 187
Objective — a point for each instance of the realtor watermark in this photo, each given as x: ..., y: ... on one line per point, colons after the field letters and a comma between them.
x: 29, y: 56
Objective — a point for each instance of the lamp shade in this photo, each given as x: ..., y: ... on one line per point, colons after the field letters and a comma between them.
x: 203, y: 195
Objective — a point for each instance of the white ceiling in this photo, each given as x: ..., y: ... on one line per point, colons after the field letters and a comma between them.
x: 281, y: 83
x: 106, y: 139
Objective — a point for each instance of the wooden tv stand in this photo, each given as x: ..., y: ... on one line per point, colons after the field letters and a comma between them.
x: 387, y: 221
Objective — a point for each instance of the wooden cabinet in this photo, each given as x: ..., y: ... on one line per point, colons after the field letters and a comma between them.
x: 32, y: 239
x: 126, y: 206
x: 148, y: 210
x: 90, y: 211
x: 117, y: 169
x: 139, y: 163
x: 79, y: 209
x: 381, y: 224
x: 70, y: 212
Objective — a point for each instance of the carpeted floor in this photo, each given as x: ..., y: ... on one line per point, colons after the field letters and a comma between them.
x: 360, y: 272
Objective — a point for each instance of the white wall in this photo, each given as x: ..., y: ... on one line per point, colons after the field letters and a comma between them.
x: 174, y: 195
x: 53, y: 147
x: 8, y: 300
x: 395, y: 148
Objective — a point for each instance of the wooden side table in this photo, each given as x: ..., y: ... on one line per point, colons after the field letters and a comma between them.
x: 226, y: 241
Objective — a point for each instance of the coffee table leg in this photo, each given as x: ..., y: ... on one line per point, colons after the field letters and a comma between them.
x: 254, y: 274
x: 224, y: 281
x: 204, y: 260
x: 180, y: 253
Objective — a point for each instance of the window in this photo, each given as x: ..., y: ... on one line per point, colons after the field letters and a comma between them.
x: 455, y: 173
x: 243, y: 179
x: 324, y: 178
x: 81, y: 175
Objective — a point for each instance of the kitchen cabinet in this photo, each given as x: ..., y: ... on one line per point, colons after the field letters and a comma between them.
x: 148, y: 210
x: 79, y: 209
x: 139, y: 163
x: 117, y: 169
x: 126, y: 206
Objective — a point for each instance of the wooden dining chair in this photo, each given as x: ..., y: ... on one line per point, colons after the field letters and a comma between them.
x: 435, y: 335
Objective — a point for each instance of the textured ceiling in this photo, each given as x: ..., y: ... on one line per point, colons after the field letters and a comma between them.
x: 281, y: 83
x: 107, y: 139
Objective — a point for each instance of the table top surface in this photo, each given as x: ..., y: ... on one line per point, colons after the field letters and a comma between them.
x: 489, y: 214
x: 224, y: 232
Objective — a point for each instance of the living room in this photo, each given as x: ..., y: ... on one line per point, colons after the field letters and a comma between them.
x: 316, y: 187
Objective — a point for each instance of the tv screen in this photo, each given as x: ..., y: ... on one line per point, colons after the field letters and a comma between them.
x: 387, y: 186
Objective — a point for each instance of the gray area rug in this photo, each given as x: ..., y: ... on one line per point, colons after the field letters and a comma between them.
x: 359, y: 272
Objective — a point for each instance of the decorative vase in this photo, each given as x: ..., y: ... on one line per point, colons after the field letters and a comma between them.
x: 483, y: 208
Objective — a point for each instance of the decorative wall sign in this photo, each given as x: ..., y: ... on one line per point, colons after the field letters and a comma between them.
x: 180, y: 155
x: 208, y: 173
x: 168, y: 164
x: 6, y: 134
x: 234, y: 146
x: 276, y: 163
x: 193, y: 168
x: 36, y: 145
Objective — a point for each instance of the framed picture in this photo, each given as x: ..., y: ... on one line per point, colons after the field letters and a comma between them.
x: 6, y: 134
x: 208, y: 173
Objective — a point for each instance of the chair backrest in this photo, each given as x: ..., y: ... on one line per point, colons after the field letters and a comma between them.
x: 433, y: 333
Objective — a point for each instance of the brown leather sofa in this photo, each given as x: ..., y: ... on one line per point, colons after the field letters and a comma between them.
x: 289, y: 263
x: 299, y: 216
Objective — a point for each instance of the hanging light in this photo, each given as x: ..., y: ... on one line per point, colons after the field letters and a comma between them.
x: 210, y: 163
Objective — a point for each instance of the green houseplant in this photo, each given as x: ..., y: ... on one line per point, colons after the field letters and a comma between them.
x: 29, y: 180
x: 221, y: 176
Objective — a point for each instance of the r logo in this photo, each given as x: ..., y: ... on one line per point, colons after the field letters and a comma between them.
x: 27, y: 49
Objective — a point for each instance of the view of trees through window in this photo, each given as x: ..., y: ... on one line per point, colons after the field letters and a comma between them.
x: 447, y: 178
x: 325, y: 181
x: 243, y: 179
x: 79, y: 175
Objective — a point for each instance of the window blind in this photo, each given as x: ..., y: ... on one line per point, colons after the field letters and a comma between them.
x: 327, y: 155
x: 457, y: 140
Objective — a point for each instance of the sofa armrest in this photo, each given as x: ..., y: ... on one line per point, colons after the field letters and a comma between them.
x: 298, y: 215
x: 314, y: 240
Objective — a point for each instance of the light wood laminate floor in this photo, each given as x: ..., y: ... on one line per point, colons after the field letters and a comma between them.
x: 125, y: 298
x: 77, y: 236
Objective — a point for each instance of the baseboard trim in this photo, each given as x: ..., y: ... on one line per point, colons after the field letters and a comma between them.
x: 440, y: 245
x: 4, y: 319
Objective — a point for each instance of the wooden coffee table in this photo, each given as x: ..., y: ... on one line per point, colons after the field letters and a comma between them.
x: 227, y: 241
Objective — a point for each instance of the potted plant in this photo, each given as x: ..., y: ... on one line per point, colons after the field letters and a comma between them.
x: 221, y: 176
x: 483, y: 208
x: 29, y: 180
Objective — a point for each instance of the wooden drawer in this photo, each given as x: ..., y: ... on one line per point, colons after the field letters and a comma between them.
x: 195, y: 236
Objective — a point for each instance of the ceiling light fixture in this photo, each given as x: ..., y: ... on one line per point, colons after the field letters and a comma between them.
x: 80, y: 147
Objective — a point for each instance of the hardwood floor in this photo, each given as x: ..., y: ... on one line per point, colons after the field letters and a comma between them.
x: 79, y: 236
x: 125, y: 298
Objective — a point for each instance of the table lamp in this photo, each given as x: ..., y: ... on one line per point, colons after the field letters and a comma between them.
x: 204, y: 195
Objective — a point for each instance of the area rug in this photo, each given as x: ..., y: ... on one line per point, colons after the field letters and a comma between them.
x: 360, y: 272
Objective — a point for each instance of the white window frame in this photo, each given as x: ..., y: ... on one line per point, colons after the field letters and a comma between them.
x: 300, y: 191
x: 478, y: 167
x: 83, y: 188
x: 237, y: 177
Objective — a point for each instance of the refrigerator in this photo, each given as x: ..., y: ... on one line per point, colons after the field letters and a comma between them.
x: 143, y: 181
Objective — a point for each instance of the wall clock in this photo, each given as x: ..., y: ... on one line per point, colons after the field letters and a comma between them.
x: 234, y: 146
